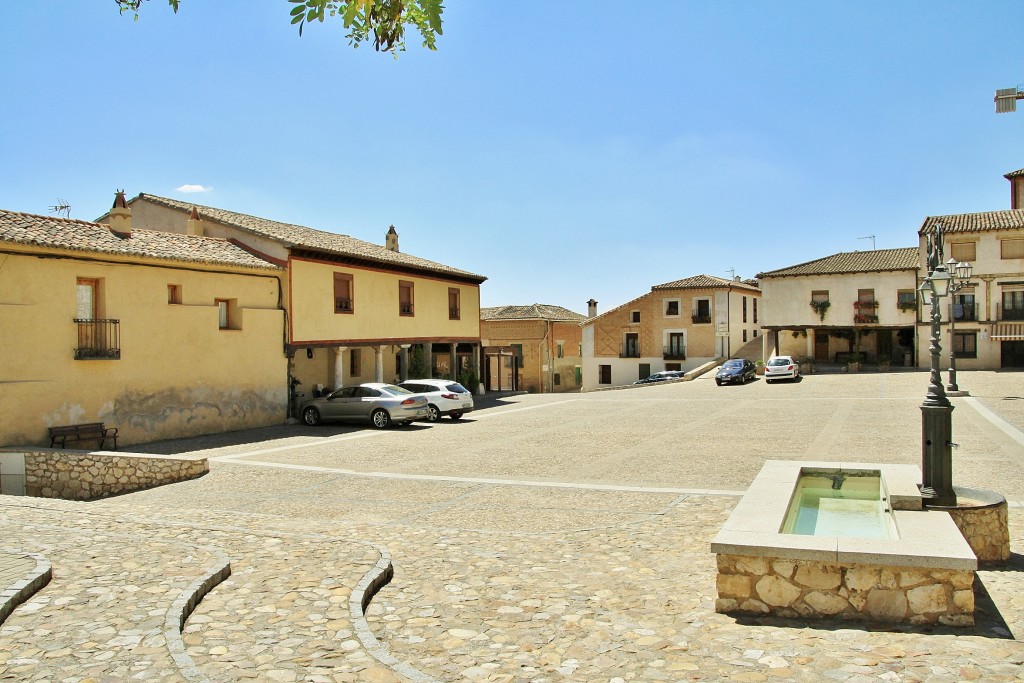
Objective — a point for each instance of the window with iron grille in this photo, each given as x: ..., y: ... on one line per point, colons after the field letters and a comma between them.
x: 343, y: 302
x: 454, y: 309
x: 405, y: 298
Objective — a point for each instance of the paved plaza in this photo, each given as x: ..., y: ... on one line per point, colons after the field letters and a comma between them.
x: 542, y: 538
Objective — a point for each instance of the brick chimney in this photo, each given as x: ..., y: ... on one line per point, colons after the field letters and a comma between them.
x: 121, y: 216
x: 194, y: 225
x: 1016, y: 179
x: 591, y: 308
x: 391, y: 239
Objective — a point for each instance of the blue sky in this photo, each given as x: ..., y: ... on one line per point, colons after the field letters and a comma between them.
x: 566, y: 150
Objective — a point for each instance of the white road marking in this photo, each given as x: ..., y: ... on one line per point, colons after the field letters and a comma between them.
x: 999, y: 422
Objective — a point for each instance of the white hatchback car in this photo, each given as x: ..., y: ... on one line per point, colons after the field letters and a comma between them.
x: 444, y: 397
x: 781, y: 367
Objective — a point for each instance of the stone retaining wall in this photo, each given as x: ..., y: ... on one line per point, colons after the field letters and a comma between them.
x: 801, y: 588
x: 987, y: 531
x: 81, y: 475
x: 982, y: 518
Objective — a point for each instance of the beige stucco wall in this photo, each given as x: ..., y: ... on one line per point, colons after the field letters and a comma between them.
x: 992, y: 275
x: 787, y: 299
x: 178, y: 374
x: 375, y: 305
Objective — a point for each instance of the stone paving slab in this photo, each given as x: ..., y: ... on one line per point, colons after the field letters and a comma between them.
x: 495, y: 582
x: 21, y: 575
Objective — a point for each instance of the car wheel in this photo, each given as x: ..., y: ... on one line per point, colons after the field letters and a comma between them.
x: 311, y: 416
x: 433, y: 414
x: 718, y: 382
x: 380, y: 419
x: 456, y: 416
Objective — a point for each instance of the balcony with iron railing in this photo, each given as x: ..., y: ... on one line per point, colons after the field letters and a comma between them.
x: 700, y: 318
x: 453, y: 313
x: 343, y: 305
x: 963, y: 312
x: 1008, y: 313
x: 629, y: 351
x: 98, y: 339
x: 865, y: 312
x: 673, y: 353
x: 405, y: 309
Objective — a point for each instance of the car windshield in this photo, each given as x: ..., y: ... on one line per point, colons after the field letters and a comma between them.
x: 733, y: 364
x: 782, y: 360
x: 395, y: 391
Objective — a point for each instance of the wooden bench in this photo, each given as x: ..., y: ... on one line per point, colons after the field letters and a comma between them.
x: 82, y: 432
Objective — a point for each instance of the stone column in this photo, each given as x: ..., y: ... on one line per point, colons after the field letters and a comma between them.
x: 378, y: 364
x: 339, y: 367
x: 405, y: 362
x: 428, y: 359
x: 452, y: 370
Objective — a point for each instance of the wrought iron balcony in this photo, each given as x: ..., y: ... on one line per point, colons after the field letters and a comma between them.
x: 453, y: 313
x: 343, y: 305
x: 1006, y: 313
x: 700, y: 318
x: 405, y: 309
x: 965, y: 312
x: 673, y: 353
x: 630, y: 351
x: 98, y: 339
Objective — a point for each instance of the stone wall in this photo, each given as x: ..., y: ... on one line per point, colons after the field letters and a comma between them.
x: 982, y: 518
x: 800, y: 588
x: 81, y: 475
x: 986, y: 529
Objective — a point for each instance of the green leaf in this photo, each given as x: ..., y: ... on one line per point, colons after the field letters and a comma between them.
x: 297, y: 11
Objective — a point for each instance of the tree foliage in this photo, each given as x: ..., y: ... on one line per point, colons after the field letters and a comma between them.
x: 382, y: 21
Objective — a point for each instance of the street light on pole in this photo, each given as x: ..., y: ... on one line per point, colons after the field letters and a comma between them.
x: 961, y: 274
x: 936, y: 411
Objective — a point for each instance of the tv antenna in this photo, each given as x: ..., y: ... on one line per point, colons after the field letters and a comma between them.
x: 869, y: 237
x: 61, y: 207
x: 732, y: 273
x: 1006, y: 99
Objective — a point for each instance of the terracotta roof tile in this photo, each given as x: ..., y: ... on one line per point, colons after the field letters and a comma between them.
x: 292, y: 235
x: 975, y: 222
x: 876, y: 261
x: 76, y: 235
x: 705, y: 282
x: 1014, y: 174
x: 531, y: 312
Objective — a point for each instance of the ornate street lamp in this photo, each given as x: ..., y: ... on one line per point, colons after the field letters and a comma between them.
x: 961, y: 276
x: 936, y: 411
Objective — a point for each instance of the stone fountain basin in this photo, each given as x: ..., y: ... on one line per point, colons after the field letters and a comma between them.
x: 925, y: 575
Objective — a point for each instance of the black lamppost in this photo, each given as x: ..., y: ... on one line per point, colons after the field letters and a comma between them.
x: 961, y: 273
x: 936, y: 411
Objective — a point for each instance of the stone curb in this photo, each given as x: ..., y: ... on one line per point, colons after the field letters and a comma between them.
x: 375, y: 579
x: 183, y: 607
x: 22, y: 590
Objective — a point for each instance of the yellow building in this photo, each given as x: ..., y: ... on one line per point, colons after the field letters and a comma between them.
x: 678, y: 325
x: 356, y: 311
x: 542, y: 342
x: 159, y: 335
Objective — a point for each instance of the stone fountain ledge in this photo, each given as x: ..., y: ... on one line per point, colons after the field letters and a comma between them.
x: 924, y: 576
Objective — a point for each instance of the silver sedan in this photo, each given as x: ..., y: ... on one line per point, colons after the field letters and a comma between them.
x: 378, y: 404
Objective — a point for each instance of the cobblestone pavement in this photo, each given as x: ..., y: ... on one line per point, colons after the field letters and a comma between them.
x: 550, y: 538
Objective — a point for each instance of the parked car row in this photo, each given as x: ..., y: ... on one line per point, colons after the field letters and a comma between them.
x: 385, y: 404
x: 739, y: 370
